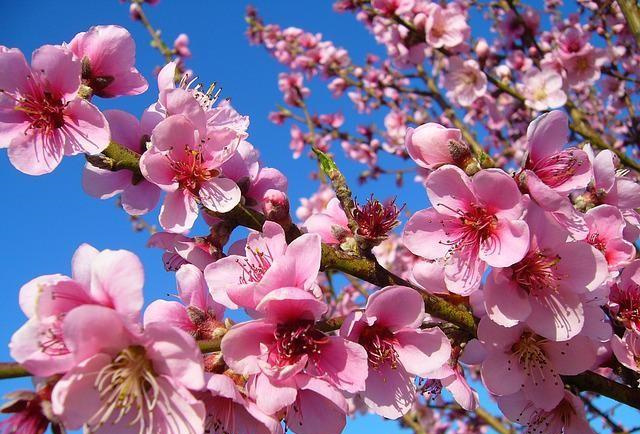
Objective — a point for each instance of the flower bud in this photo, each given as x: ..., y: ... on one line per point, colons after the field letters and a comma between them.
x: 429, y: 145
x: 134, y: 11
x: 275, y: 206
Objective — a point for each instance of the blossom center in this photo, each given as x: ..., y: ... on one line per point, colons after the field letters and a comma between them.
x: 537, y: 272
x: 628, y: 301
x: 380, y: 345
x: 254, y: 266
x: 558, y: 168
x: 51, y: 340
x: 190, y: 172
x: 295, y: 340
x: 474, y: 226
x: 45, y: 112
x: 597, y: 241
x: 128, y: 384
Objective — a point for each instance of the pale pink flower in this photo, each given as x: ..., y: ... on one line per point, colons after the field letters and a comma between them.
x: 41, y: 116
x: 550, y: 172
x: 393, y: 6
x: 310, y: 405
x: 581, y: 60
x: 196, y: 313
x: 331, y: 224
x: 567, y: 417
x: 445, y: 27
x: 397, y: 349
x: 228, y: 410
x: 187, y: 166
x: 431, y: 145
x: 464, y: 81
x: 108, y: 278
x: 543, y: 289
x: 138, y: 196
x: 469, y: 225
x: 108, y: 55
x: 519, y: 360
x: 287, y: 343
x: 180, y: 250
x: 263, y: 263
x: 316, y: 203
x: 292, y: 86
x: 297, y: 141
x: 627, y: 349
x: 123, y: 379
x: 606, y: 225
x: 543, y: 89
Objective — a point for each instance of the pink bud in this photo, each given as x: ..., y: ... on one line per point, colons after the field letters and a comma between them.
x: 134, y: 11
x: 482, y: 48
x: 276, y: 206
x: 429, y: 145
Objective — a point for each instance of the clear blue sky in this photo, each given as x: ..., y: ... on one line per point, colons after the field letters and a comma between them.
x: 45, y: 218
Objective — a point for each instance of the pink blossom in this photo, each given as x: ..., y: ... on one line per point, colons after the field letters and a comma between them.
x: 316, y: 203
x: 445, y: 27
x: 180, y: 250
x: 229, y: 410
x: 567, y: 417
x: 432, y: 145
x: 627, y: 349
x: 121, y: 379
x: 606, y: 225
x: 197, y: 315
x: 393, y: 6
x: 469, y: 225
x: 550, y: 172
x: 137, y: 197
x: 108, y: 55
x: 543, y: 288
x: 464, y: 81
x: 41, y: 116
x: 519, y: 360
x: 109, y: 278
x: 293, y: 88
x: 187, y: 166
x: 331, y: 224
x: 287, y: 343
x: 581, y: 60
x: 397, y: 349
x: 263, y: 263
x: 543, y: 90
x: 29, y: 412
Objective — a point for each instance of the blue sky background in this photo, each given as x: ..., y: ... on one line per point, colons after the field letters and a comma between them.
x: 46, y: 218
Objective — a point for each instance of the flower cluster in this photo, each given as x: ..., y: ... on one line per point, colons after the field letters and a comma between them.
x: 519, y: 277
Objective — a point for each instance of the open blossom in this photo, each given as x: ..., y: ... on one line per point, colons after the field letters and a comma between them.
x: 187, y: 166
x: 108, y: 55
x: 287, y: 343
x: 138, y: 196
x: 108, y: 278
x: 180, y: 250
x: 431, y: 145
x: 230, y: 411
x: 263, y: 263
x: 550, y: 172
x: 519, y: 360
x: 464, y: 81
x: 445, y: 27
x: 41, y: 116
x: 128, y: 380
x: 543, y: 289
x: 197, y: 315
x: 606, y: 225
x: 627, y: 349
x: 397, y: 349
x: 543, y: 89
x: 469, y: 225
x: 581, y: 60
x: 567, y: 417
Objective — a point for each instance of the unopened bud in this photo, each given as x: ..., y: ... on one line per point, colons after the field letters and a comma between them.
x: 134, y: 11
x: 275, y: 206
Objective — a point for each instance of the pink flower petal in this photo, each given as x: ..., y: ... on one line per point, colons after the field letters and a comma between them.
x: 422, y: 351
x: 396, y: 307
